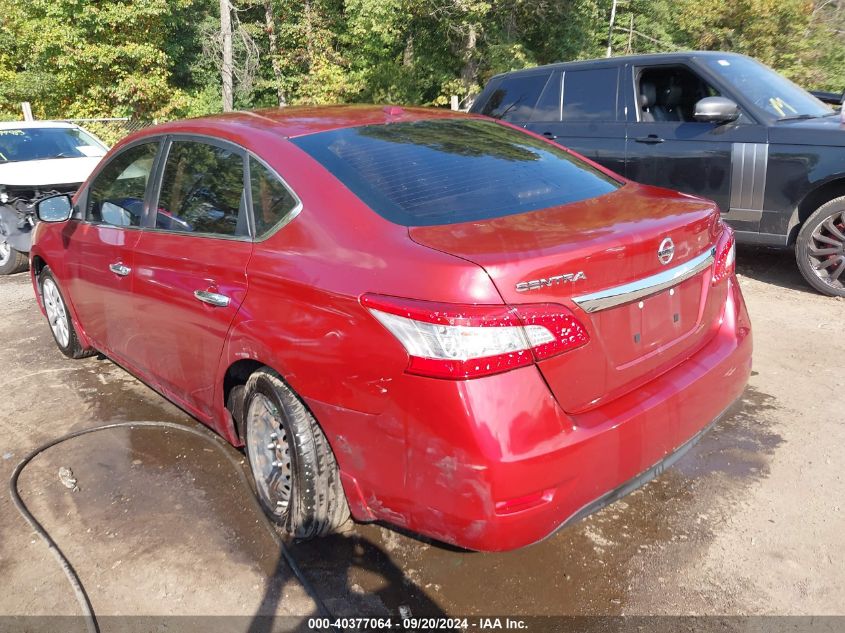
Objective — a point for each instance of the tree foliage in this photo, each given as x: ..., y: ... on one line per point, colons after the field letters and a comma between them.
x: 158, y: 59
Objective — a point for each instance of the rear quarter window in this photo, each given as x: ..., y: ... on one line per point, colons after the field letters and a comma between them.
x: 514, y: 97
x: 434, y: 172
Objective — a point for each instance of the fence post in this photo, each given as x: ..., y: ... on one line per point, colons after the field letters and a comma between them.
x: 455, y: 102
x: 27, y: 111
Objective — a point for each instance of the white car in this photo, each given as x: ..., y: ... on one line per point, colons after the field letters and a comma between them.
x: 37, y: 159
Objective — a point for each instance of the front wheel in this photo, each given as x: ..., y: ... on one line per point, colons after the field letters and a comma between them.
x: 59, y: 319
x: 295, y: 473
x: 11, y: 260
x: 820, y: 248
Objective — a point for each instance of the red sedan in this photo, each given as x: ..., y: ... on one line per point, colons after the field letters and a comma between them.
x: 414, y: 316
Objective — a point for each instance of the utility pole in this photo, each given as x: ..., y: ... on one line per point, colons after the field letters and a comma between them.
x: 226, y: 40
x: 610, y: 30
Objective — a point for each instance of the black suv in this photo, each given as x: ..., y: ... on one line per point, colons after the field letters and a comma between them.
x: 718, y: 125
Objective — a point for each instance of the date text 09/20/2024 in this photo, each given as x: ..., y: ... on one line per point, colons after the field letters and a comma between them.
x: 423, y: 624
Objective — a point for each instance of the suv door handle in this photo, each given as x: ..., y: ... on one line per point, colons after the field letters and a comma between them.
x: 651, y: 139
x: 119, y: 269
x: 212, y: 298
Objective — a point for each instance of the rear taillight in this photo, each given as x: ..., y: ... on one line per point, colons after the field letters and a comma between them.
x: 447, y: 340
x: 725, y: 263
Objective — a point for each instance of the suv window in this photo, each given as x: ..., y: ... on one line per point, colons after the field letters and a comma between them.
x: 548, y: 107
x: 272, y: 201
x: 669, y: 93
x: 202, y: 190
x: 514, y: 97
x: 432, y: 172
x: 590, y: 94
x: 116, y: 196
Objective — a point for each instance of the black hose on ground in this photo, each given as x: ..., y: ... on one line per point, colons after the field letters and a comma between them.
x: 67, y: 568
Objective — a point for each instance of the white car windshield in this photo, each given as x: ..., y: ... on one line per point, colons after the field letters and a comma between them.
x: 24, y: 144
x: 767, y: 89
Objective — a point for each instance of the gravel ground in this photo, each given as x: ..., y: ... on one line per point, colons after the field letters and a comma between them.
x: 749, y: 522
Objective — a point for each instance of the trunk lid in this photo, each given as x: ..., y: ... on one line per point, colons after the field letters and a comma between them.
x: 561, y: 254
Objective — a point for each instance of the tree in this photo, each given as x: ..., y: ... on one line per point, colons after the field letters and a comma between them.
x: 158, y: 59
x: 73, y: 58
x: 226, y: 68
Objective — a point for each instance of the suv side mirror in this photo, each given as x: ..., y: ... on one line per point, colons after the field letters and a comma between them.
x: 56, y: 208
x: 716, y: 110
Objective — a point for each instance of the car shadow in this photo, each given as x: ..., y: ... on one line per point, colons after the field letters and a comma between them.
x: 334, y: 566
x: 771, y: 265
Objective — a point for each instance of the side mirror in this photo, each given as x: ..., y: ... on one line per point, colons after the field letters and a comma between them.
x: 57, y: 208
x: 716, y: 110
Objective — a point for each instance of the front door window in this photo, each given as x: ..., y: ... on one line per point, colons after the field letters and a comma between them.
x: 669, y: 93
x: 116, y: 196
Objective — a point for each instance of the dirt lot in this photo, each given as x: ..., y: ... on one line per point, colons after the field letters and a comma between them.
x: 749, y: 522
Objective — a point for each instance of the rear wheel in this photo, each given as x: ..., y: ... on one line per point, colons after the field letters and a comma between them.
x: 59, y: 319
x: 11, y: 260
x: 294, y: 469
x: 820, y: 248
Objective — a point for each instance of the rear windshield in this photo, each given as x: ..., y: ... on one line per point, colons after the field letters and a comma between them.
x: 447, y: 171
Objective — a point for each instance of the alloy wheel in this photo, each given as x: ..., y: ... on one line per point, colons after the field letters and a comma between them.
x: 56, y: 313
x: 269, y: 450
x: 826, y: 250
x: 5, y: 251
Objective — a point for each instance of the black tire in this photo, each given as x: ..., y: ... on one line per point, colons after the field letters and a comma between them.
x: 69, y: 345
x: 11, y: 260
x: 820, y: 248
x: 303, y: 494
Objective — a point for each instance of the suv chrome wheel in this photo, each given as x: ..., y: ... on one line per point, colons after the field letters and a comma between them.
x: 820, y: 248
x: 827, y: 250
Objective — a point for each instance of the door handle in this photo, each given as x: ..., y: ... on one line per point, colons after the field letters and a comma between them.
x: 119, y: 269
x: 549, y: 135
x: 212, y: 298
x: 651, y: 139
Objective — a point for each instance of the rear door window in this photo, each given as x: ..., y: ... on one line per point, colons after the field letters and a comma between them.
x: 116, y: 195
x: 515, y: 96
x: 549, y: 105
x: 590, y: 94
x: 202, y: 191
x: 454, y: 170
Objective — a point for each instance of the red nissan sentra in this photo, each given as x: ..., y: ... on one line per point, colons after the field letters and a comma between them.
x: 434, y: 320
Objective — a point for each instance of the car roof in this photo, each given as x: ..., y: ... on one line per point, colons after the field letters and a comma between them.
x: 623, y: 59
x: 29, y: 125
x: 301, y: 120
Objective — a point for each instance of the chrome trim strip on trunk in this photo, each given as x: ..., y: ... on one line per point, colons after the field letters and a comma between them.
x: 612, y: 297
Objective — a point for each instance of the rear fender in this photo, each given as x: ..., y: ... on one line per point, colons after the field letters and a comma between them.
x: 358, y: 440
x: 239, y: 346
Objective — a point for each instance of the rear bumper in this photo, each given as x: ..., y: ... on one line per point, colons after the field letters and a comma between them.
x: 494, y: 464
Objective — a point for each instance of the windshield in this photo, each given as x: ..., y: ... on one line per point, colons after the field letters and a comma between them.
x: 767, y: 89
x: 453, y: 170
x: 42, y: 143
